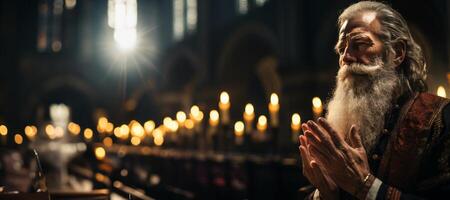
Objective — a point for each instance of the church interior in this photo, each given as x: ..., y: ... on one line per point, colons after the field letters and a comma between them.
x: 174, y: 99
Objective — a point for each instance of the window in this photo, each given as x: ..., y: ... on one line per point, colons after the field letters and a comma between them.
x: 184, y: 18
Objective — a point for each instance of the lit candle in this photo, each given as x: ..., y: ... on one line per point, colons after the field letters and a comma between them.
x: 18, y: 139
x: 100, y: 153
x: 109, y: 128
x: 317, y: 107
x: 108, y: 142
x: 189, y: 124
x: 135, y: 141
x: 197, y: 116
x: 295, y: 126
x: 124, y: 132
x: 50, y: 131
x: 181, y: 118
x: 158, y: 136
x: 249, y: 116
x: 3, y: 133
x: 149, y: 126
x: 74, y: 128
x: 170, y: 124
x: 441, y: 91
x: 239, y: 132
x: 262, y: 124
x: 88, y: 133
x: 30, y: 132
x: 102, y: 124
x: 213, y: 118
x: 224, y: 106
x: 137, y: 130
x: 274, y: 107
x: 212, y: 129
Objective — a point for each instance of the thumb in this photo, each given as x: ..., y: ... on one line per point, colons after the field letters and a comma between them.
x: 355, y: 137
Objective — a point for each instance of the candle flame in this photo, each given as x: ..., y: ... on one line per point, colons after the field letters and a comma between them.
x: 262, y: 120
x: 100, y: 153
x: 88, y: 133
x: 195, y: 109
x: 18, y: 139
x: 317, y: 103
x: 107, y: 142
x: 274, y: 99
x: 149, y: 126
x: 181, y: 117
x: 74, y: 128
x: 249, y: 109
x: 30, y: 131
x: 224, y: 98
x: 441, y: 92
x: 239, y: 128
x: 135, y: 141
x: 262, y: 123
x: 214, y: 115
x: 3, y: 130
x: 189, y: 124
x: 158, y: 140
x: 296, y: 119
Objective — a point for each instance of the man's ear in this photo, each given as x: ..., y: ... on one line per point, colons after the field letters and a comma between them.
x: 400, y: 52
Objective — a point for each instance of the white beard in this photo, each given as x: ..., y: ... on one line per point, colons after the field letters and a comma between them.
x: 363, y: 95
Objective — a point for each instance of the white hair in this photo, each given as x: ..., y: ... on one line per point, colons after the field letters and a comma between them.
x: 394, y: 29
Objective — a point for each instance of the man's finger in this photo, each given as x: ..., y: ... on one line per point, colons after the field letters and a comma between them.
x: 355, y: 137
x: 312, y: 140
x: 324, y: 137
x: 305, y: 162
x: 311, y: 136
x: 337, y: 139
x: 320, y: 156
x: 302, y: 140
x: 305, y: 127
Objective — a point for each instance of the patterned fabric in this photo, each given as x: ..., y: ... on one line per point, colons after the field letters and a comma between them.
x: 410, y: 141
x: 412, y: 158
x: 415, y: 162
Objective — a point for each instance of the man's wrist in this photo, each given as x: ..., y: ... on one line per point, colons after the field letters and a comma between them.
x: 368, y: 181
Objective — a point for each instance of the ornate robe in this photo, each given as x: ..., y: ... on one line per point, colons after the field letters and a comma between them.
x: 412, y: 157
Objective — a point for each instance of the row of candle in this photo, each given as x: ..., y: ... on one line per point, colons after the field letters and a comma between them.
x: 138, y: 132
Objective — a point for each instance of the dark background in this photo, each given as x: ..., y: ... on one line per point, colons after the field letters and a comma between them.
x: 282, y: 46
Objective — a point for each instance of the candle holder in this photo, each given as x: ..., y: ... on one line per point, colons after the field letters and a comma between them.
x: 274, y: 140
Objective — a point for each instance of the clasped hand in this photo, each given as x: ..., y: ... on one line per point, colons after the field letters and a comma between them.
x: 330, y: 162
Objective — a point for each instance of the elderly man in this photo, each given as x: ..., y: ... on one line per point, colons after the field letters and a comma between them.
x: 383, y: 137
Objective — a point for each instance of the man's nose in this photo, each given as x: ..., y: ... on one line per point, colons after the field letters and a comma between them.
x: 348, y: 56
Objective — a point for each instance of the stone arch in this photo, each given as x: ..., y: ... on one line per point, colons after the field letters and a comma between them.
x: 181, y: 72
x: 67, y: 89
x: 249, y: 61
x: 181, y: 69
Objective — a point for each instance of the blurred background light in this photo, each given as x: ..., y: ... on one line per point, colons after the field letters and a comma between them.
x: 122, y: 17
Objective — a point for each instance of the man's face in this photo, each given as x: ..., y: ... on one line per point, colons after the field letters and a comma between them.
x: 359, y: 41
